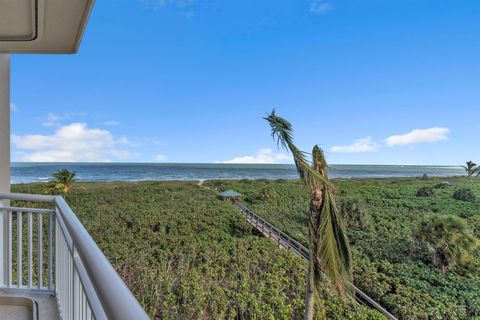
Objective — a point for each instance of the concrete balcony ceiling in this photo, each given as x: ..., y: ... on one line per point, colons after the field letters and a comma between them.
x: 42, y: 26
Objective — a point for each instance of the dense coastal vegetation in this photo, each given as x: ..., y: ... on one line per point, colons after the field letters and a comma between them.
x: 187, y: 255
x: 391, y: 262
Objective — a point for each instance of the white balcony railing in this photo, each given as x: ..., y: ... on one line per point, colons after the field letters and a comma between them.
x: 49, y: 250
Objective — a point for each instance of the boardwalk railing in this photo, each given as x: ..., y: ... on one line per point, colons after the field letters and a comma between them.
x: 49, y: 250
x: 287, y: 242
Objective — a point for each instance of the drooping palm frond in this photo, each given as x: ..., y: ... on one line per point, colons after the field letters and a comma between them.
x: 330, y: 244
x: 282, y: 132
x: 329, y: 249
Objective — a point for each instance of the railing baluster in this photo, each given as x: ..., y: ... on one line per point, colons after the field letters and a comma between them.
x: 82, y: 315
x: 89, y: 314
x: 72, y: 276
x: 29, y: 248
x: 10, y: 251
x: 50, y: 256
x: 19, y: 249
x: 57, y: 269
x: 75, y: 294
x: 40, y: 249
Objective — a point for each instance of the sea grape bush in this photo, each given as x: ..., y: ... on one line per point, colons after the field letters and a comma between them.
x: 425, y: 192
x: 464, y: 195
x: 353, y: 212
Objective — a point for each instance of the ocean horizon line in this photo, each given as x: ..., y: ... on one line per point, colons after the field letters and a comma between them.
x: 227, y: 164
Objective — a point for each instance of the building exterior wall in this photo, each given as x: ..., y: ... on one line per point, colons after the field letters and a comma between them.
x: 4, y: 160
x: 4, y: 123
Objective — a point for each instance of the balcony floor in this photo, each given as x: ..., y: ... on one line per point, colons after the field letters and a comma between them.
x: 13, y: 306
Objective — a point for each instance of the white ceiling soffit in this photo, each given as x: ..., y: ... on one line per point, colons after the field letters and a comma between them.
x: 42, y: 26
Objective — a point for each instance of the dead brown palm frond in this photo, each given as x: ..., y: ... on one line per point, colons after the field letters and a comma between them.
x: 282, y: 132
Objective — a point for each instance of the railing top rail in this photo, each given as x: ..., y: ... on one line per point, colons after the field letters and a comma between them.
x: 363, y: 295
x: 26, y: 197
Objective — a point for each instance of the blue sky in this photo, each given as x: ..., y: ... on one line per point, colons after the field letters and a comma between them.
x: 372, y: 82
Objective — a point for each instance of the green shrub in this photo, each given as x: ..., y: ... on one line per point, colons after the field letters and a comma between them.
x: 464, y: 195
x: 267, y: 193
x: 391, y: 194
x: 425, y: 192
x: 442, y: 185
x: 354, y: 213
x: 450, y: 240
x: 466, y: 214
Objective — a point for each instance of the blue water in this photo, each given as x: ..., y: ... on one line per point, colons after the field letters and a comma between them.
x: 40, y: 172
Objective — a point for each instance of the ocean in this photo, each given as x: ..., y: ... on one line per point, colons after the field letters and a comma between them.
x: 40, y: 172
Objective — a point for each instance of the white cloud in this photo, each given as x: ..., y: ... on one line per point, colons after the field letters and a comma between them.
x: 358, y: 146
x: 320, y: 6
x: 13, y: 107
x: 75, y: 142
x: 53, y: 120
x: 418, y: 136
x: 283, y: 157
x: 160, y: 157
x: 264, y: 156
x: 111, y: 123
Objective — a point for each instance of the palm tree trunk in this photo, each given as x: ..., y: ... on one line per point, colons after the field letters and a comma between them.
x: 310, y: 296
x: 316, y: 202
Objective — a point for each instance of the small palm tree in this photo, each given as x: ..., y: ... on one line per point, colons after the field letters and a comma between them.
x: 449, y: 239
x: 471, y: 168
x: 329, y: 248
x: 63, y: 181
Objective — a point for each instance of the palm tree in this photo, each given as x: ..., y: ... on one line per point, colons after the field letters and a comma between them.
x: 449, y: 239
x: 63, y: 181
x: 471, y: 168
x: 330, y: 254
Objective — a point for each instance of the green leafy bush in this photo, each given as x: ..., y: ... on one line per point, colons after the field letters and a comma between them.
x: 267, y: 193
x: 449, y: 239
x: 354, y: 213
x: 464, y: 195
x: 442, y: 185
x: 425, y: 192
